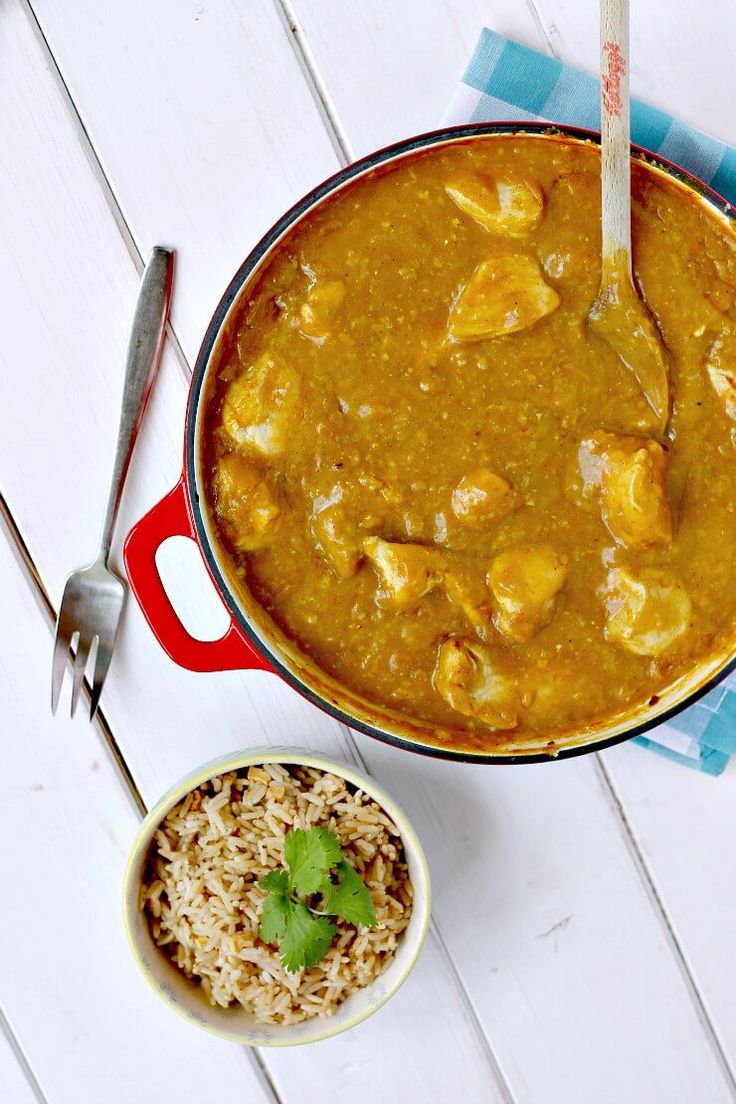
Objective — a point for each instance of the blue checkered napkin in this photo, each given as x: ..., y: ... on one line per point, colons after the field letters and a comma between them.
x: 509, y: 82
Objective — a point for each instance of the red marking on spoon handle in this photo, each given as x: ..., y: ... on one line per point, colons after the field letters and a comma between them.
x: 612, y: 77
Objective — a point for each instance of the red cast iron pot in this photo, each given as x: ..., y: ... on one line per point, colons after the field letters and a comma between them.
x: 246, y: 645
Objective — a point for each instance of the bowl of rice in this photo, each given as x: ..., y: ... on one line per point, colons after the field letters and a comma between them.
x: 194, y: 897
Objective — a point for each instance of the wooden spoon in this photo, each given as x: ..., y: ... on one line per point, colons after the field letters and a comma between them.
x: 619, y: 315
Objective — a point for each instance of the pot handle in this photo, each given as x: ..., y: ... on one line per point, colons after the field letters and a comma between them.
x: 170, y: 518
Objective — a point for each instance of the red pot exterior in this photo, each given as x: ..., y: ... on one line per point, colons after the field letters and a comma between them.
x: 172, y: 517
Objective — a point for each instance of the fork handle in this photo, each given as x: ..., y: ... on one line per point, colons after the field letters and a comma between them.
x: 141, y: 363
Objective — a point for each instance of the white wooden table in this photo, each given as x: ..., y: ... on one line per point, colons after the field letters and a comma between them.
x: 583, y: 948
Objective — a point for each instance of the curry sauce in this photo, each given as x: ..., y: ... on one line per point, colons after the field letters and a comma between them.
x: 442, y: 484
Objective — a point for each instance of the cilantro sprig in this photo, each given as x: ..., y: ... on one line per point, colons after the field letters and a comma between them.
x: 318, y: 884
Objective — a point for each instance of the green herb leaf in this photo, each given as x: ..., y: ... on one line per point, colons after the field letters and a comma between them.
x: 349, y: 897
x: 303, y: 934
x: 277, y: 881
x: 307, y: 938
x: 275, y: 916
x: 309, y: 856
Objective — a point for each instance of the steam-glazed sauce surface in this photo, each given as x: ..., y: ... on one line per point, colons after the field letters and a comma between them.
x: 443, y: 484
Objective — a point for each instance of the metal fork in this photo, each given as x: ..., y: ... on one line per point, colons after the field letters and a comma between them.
x: 93, y: 597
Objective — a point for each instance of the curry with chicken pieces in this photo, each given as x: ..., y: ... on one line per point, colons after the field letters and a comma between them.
x: 433, y: 474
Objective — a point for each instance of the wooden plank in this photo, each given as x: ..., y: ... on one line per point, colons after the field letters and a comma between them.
x: 88, y: 1024
x: 67, y: 356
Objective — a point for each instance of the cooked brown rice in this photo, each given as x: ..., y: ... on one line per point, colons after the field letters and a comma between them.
x: 203, y: 903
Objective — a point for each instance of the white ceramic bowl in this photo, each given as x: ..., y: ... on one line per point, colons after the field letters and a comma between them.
x: 187, y: 997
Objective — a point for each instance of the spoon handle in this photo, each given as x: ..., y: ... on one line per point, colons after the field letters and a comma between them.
x: 615, y: 133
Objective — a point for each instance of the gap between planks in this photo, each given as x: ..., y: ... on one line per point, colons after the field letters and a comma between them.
x: 343, y: 150
x: 113, y: 204
x: 19, y: 1055
x: 541, y: 28
x: 35, y: 583
x: 314, y: 81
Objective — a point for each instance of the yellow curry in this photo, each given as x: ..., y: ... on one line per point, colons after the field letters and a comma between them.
x: 443, y: 485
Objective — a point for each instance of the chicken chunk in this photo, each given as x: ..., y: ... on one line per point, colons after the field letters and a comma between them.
x: 317, y: 313
x: 337, y: 538
x: 482, y: 498
x: 260, y: 406
x: 245, y: 502
x: 525, y: 583
x: 407, y: 571
x: 631, y: 475
x: 645, y: 613
x: 721, y: 368
x: 724, y: 385
x: 503, y: 296
x: 466, y: 677
x: 511, y: 206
